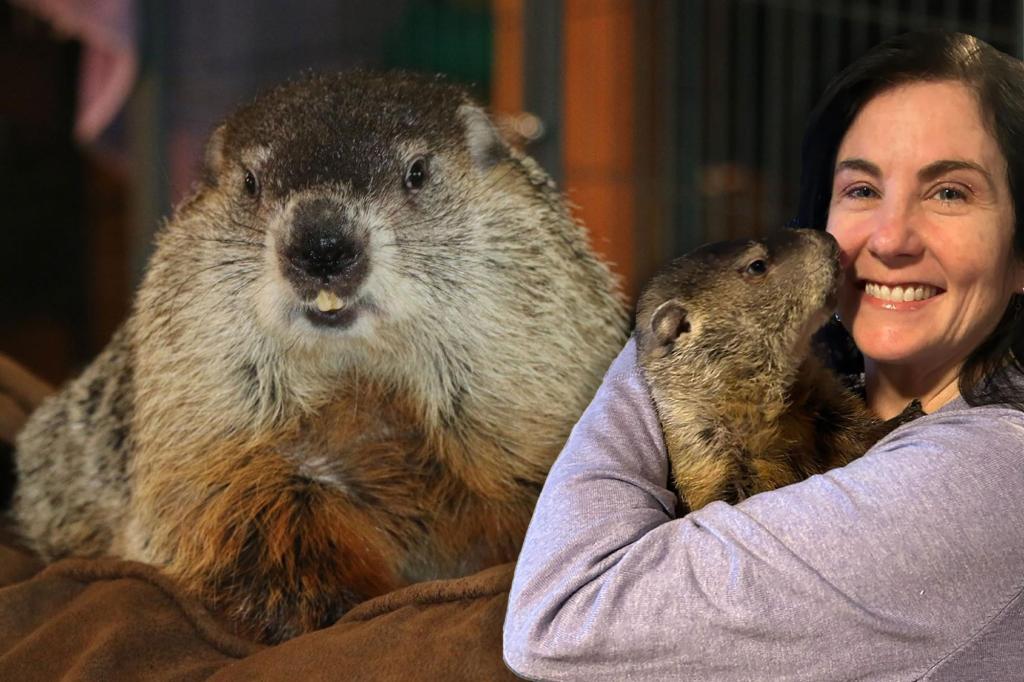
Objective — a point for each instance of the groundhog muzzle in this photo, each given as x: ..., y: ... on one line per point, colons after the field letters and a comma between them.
x: 724, y: 342
x: 357, y: 349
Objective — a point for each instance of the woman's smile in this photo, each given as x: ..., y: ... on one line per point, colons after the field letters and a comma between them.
x: 900, y: 293
x: 898, y: 297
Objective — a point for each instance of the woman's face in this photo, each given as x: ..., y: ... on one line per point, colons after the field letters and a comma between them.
x: 922, y: 211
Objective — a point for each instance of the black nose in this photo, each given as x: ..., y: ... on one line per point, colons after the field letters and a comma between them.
x: 323, y: 255
x: 321, y: 244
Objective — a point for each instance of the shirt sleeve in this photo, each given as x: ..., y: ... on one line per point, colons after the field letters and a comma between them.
x: 878, y: 570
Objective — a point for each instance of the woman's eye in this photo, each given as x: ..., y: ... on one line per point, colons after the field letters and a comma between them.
x: 757, y: 267
x: 252, y: 187
x: 861, y: 192
x: 416, y: 174
x: 949, y: 194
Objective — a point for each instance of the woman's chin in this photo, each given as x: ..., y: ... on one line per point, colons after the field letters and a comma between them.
x: 893, y: 345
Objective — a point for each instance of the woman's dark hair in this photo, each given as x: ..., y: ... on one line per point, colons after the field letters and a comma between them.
x: 990, y: 372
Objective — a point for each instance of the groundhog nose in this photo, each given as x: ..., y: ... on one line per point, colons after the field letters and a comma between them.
x: 323, y: 256
x: 322, y: 247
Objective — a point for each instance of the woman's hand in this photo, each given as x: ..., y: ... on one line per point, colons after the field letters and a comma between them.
x: 20, y: 394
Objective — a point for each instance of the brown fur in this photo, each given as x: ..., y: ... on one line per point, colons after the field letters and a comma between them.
x: 285, y: 468
x: 724, y: 344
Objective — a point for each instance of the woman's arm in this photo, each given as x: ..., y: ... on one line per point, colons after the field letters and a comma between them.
x: 879, y: 570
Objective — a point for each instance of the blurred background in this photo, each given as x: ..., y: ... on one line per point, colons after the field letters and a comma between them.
x: 667, y: 122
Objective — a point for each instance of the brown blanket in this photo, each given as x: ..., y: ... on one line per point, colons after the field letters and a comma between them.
x: 118, y: 620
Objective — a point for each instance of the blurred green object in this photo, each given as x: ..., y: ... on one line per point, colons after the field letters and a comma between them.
x: 446, y: 36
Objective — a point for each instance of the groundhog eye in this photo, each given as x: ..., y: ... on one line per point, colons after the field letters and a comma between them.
x: 757, y: 267
x: 416, y: 175
x: 252, y: 187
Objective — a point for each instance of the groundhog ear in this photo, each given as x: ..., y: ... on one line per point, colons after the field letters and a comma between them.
x: 669, y: 322
x: 486, y: 145
x: 214, y: 157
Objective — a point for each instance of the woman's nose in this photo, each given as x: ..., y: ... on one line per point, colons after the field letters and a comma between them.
x: 895, y: 233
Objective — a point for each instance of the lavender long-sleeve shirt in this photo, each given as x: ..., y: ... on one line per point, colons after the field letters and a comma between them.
x: 906, y: 564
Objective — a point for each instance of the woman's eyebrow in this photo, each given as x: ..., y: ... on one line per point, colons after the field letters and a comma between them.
x: 862, y: 165
x: 938, y: 168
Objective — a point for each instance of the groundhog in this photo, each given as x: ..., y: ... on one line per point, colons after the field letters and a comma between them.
x: 724, y: 343
x: 357, y: 349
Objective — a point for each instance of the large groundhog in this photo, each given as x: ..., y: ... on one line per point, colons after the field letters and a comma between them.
x: 724, y: 343
x: 357, y: 349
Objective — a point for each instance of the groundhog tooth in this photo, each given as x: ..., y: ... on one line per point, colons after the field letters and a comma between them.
x: 327, y: 302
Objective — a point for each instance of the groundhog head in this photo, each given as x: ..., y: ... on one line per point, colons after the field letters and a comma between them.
x: 374, y: 226
x: 739, y: 310
x: 363, y: 188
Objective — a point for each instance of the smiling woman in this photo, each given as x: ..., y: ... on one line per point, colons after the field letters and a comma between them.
x: 925, y: 221
x: 904, y: 564
x: 914, y: 158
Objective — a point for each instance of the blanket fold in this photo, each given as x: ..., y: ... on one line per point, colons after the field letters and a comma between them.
x: 107, y: 619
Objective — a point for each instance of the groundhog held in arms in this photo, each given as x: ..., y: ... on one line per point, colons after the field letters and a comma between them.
x: 357, y: 349
x: 724, y: 341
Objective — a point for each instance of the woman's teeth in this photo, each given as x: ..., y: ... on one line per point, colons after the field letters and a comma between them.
x: 908, y: 293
